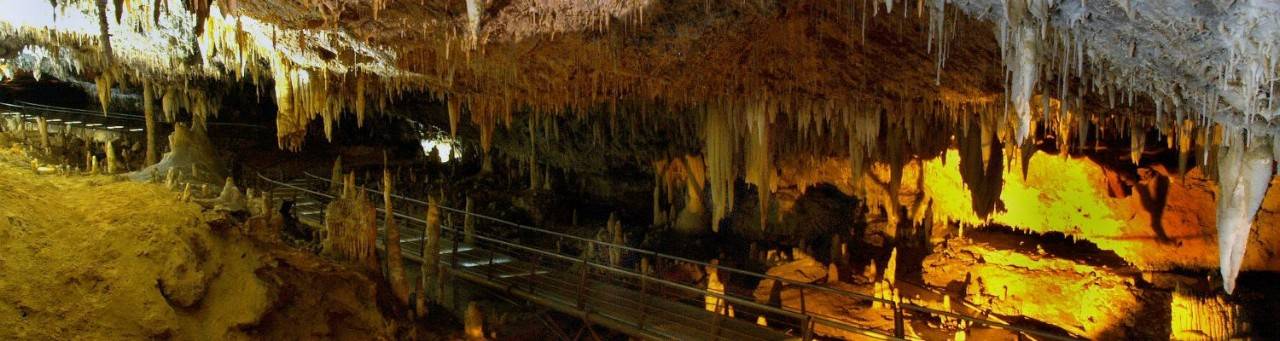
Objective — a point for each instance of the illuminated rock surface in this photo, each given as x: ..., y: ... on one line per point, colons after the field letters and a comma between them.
x: 770, y: 121
x: 97, y: 258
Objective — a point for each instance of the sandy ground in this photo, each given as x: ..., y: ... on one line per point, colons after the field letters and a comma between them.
x: 89, y: 257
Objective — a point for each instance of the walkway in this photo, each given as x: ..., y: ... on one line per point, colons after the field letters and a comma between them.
x: 553, y: 269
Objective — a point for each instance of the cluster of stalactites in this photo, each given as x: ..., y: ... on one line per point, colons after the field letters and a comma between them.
x: 720, y: 144
x: 200, y: 104
x: 303, y: 95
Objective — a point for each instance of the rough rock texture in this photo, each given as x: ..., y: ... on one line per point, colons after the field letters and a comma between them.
x: 1083, y: 299
x: 98, y: 259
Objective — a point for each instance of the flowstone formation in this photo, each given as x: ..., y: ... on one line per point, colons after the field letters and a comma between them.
x: 869, y: 81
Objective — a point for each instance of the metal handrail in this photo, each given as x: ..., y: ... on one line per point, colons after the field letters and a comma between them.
x: 787, y: 282
x: 736, y: 301
x: 110, y: 114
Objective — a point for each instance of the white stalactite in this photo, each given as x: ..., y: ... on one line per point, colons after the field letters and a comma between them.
x: 1244, y: 173
x: 1024, y: 79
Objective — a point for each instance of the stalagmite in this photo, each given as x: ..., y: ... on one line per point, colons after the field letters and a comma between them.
x: 335, y: 179
x: 474, y: 322
x: 186, y: 193
x: 149, y: 115
x: 715, y: 288
x: 231, y: 199
x: 833, y: 273
x: 351, y: 224
x: 111, y: 157
x: 43, y: 127
x: 946, y: 306
x: 1195, y: 318
x: 614, y: 229
x: 395, y: 262
x: 1245, y: 168
x: 891, y: 268
x: 431, y: 253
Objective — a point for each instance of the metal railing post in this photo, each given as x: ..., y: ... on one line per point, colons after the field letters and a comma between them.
x: 582, y: 284
x: 898, y: 330
x: 533, y: 271
x: 488, y: 271
x: 644, y: 303
x: 453, y: 257
x: 808, y: 328
x: 803, y: 311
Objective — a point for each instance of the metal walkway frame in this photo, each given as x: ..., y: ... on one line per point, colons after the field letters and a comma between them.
x: 564, y: 276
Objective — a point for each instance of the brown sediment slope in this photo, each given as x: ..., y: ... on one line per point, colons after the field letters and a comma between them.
x: 93, y: 258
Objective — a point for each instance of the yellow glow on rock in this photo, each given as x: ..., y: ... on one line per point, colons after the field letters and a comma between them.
x: 1070, y: 196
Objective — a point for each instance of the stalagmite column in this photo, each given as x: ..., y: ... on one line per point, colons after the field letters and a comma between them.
x: 111, y: 157
x: 335, y: 180
x: 714, y: 287
x: 43, y: 125
x: 616, y: 238
x: 431, y: 258
x: 891, y: 269
x: 474, y: 322
x: 395, y: 263
x: 149, y: 114
x: 1245, y: 168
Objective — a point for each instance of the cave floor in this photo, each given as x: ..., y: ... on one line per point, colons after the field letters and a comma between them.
x: 93, y: 257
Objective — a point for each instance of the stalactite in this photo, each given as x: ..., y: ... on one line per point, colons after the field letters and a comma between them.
x: 455, y: 116
x: 863, y: 129
x: 395, y: 262
x: 718, y: 150
x: 474, y: 8
x: 360, y: 105
x: 981, y: 169
x: 759, y: 165
x: 1137, y: 142
x: 108, y: 56
x: 1245, y: 168
x: 169, y: 105
x: 103, y: 85
x: 1186, y: 133
x: 1021, y: 45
